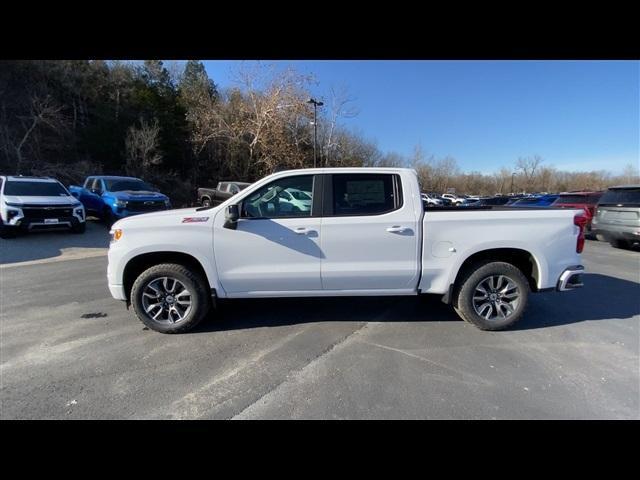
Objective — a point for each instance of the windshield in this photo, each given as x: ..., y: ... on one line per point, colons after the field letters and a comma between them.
x: 116, y: 185
x: 622, y: 196
x: 35, y: 189
x: 585, y: 199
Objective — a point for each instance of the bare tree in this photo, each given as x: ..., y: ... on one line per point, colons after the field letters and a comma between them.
x: 529, y: 166
x: 340, y: 106
x: 273, y: 105
x: 142, y: 149
x: 631, y: 173
x: 43, y: 112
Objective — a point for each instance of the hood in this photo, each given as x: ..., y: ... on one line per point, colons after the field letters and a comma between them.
x: 138, y: 195
x: 166, y: 217
x: 66, y: 200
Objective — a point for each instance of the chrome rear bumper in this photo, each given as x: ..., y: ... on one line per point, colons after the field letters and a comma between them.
x: 571, y: 278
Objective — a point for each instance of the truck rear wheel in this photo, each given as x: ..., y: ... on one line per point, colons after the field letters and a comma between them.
x: 492, y: 296
x: 170, y: 298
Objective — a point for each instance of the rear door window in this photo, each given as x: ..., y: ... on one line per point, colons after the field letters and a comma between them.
x: 365, y: 194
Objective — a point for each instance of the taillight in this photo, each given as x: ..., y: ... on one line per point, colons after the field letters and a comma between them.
x: 581, y: 221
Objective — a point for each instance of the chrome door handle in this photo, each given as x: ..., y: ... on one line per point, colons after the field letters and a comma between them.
x: 396, y: 229
x: 301, y: 230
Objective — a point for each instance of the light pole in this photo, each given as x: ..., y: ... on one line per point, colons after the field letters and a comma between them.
x: 512, y: 175
x: 316, y: 104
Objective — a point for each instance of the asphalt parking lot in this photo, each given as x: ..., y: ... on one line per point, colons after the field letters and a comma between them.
x: 69, y: 351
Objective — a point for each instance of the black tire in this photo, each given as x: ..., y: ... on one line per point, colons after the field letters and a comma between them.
x: 108, y: 218
x: 199, y: 294
x: 80, y: 227
x: 206, y: 202
x: 475, y: 277
x: 618, y: 243
x: 6, y: 232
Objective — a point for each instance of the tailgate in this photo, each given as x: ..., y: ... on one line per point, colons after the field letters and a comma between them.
x: 619, y: 216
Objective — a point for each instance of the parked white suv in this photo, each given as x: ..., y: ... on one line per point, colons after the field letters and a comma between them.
x: 42, y: 203
x: 366, y: 233
x: 453, y: 199
x: 431, y: 200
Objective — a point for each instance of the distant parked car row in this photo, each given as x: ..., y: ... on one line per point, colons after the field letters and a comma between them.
x: 612, y: 216
x: 43, y: 203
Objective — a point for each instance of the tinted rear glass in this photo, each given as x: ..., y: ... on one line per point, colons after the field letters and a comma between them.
x: 586, y: 199
x: 35, y: 189
x: 623, y: 196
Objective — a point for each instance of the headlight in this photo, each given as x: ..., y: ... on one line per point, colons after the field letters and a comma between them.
x: 121, y: 203
x: 12, y: 213
x: 116, y: 235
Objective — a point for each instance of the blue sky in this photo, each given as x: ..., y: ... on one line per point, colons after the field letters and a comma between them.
x: 577, y: 115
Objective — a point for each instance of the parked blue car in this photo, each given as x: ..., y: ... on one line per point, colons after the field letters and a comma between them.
x: 540, y: 201
x: 112, y: 198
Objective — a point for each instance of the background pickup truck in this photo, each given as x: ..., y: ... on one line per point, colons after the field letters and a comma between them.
x: 365, y: 232
x: 112, y: 198
x: 208, y: 197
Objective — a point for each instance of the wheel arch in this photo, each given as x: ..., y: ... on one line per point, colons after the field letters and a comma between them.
x: 138, y: 264
x: 524, y: 260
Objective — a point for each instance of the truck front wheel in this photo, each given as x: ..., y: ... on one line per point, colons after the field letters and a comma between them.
x: 170, y: 298
x: 493, y: 296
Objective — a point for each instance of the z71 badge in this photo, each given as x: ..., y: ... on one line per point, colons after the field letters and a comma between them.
x: 194, y: 219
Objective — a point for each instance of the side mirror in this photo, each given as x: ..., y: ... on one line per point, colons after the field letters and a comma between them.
x: 232, y: 215
x: 75, y: 194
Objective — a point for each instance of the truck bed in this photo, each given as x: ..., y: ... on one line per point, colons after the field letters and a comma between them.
x: 453, y: 234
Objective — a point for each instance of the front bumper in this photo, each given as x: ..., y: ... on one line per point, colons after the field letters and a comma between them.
x: 117, y: 292
x: 571, y: 278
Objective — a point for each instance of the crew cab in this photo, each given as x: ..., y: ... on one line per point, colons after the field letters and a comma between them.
x: 37, y: 203
x: 365, y: 232
x: 208, y: 197
x: 112, y: 198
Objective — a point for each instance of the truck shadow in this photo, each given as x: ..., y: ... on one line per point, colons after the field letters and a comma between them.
x: 602, y: 298
x: 48, y: 244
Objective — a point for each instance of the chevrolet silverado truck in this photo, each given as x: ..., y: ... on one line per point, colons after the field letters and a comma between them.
x: 208, y: 197
x: 365, y: 232
x: 111, y: 198
x: 37, y: 203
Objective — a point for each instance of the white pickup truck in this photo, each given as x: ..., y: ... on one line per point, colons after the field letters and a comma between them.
x: 364, y: 232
